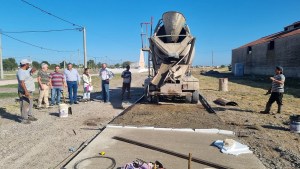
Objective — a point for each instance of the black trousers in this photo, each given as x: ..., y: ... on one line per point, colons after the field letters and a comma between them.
x: 275, y: 96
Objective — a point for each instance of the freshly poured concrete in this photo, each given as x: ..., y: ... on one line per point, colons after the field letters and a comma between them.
x: 200, y: 145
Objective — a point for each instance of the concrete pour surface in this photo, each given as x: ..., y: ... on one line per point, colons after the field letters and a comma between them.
x: 120, y: 153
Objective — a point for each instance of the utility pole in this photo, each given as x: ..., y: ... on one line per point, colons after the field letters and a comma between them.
x: 84, y: 48
x: 78, y: 58
x: 212, y: 59
x: 1, y: 60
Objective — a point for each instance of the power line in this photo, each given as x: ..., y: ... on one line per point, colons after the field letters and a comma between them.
x: 36, y: 45
x: 51, y: 14
x: 42, y: 31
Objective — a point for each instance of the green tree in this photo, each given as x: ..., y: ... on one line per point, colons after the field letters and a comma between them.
x: 124, y: 64
x: 36, y: 64
x: 91, y: 64
x: 52, y: 66
x: 10, y: 64
x: 99, y: 64
x: 46, y: 62
x: 117, y: 65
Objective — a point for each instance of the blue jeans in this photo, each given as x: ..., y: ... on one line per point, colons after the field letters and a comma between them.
x: 55, y: 93
x: 72, y: 89
x: 105, y: 90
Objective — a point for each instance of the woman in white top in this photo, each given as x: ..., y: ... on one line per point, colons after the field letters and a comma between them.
x: 87, y: 84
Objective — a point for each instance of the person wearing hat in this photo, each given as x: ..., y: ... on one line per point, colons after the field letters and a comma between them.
x: 26, y: 88
x: 44, y: 85
x: 276, y: 90
x: 73, y: 81
x: 126, y: 75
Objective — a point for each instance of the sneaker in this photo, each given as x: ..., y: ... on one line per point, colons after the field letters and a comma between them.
x: 39, y: 108
x: 25, y: 121
x: 32, y: 118
x: 76, y: 103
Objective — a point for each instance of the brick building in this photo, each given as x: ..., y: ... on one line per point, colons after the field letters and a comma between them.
x: 261, y: 56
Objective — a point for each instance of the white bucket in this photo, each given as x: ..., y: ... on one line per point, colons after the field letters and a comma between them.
x: 63, y: 110
x: 295, y: 123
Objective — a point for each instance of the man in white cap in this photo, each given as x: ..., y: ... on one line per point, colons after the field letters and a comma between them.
x: 26, y: 88
x: 44, y: 84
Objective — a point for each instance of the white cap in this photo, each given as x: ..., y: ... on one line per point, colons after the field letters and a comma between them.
x: 25, y: 61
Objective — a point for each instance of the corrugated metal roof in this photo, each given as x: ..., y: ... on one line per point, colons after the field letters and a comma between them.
x: 271, y: 37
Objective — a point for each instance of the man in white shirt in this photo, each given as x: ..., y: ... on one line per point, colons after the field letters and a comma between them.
x: 106, y: 75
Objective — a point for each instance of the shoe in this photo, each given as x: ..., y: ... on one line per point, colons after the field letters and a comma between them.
x: 32, y: 118
x: 25, y: 121
x: 264, y: 112
x: 76, y: 103
x: 39, y: 108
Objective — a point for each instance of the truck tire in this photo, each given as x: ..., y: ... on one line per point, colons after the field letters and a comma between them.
x: 188, y: 99
x: 195, y: 97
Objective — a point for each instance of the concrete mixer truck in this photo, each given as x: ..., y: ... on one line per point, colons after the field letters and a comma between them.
x: 170, y: 54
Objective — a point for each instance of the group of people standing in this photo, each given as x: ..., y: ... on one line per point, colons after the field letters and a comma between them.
x: 56, y: 82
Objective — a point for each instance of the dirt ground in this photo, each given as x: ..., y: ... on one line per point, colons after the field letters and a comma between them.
x: 45, y: 143
x: 267, y: 135
x: 48, y: 141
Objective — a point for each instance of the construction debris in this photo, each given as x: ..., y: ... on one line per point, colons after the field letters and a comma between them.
x: 225, y: 102
x: 229, y: 146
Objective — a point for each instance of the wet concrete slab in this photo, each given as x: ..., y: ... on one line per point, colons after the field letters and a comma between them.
x: 118, y: 153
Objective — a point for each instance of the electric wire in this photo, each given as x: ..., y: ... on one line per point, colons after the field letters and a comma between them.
x: 42, y: 31
x: 43, y: 48
x: 51, y: 14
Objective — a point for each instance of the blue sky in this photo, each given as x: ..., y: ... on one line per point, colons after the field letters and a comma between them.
x: 113, y: 26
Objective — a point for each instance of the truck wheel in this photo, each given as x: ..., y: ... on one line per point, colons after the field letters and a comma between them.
x: 188, y: 99
x: 195, y: 97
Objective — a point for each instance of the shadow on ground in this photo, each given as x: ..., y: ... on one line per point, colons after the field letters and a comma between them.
x: 116, y: 98
x: 232, y: 109
x: 257, y: 81
x: 6, y: 115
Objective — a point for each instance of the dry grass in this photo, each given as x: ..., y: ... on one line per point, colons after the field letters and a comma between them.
x: 248, y: 92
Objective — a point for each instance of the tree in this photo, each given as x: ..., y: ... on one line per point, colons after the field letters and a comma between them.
x: 117, y: 65
x: 91, y: 64
x: 124, y: 64
x: 36, y: 64
x: 10, y: 64
x: 46, y: 62
x: 52, y: 66
x: 99, y: 64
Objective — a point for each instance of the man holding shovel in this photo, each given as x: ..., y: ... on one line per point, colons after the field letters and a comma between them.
x: 26, y: 88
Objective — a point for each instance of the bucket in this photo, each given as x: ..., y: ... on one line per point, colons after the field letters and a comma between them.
x: 295, y: 123
x: 63, y: 110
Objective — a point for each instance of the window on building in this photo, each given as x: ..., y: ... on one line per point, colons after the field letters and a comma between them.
x: 271, y: 45
x: 249, y: 49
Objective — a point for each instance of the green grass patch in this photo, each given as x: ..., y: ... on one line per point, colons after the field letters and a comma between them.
x: 16, y: 85
x: 8, y: 95
x: 10, y: 86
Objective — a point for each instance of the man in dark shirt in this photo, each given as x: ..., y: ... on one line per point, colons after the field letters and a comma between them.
x: 126, y: 75
x: 276, y: 90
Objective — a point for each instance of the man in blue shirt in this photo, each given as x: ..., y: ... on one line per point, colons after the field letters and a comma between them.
x: 73, y: 81
x: 276, y: 90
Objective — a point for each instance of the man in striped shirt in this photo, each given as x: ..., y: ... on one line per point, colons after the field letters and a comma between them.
x: 276, y: 90
x: 58, y: 83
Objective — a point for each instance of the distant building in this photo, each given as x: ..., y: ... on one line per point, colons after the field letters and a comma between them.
x: 261, y: 56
